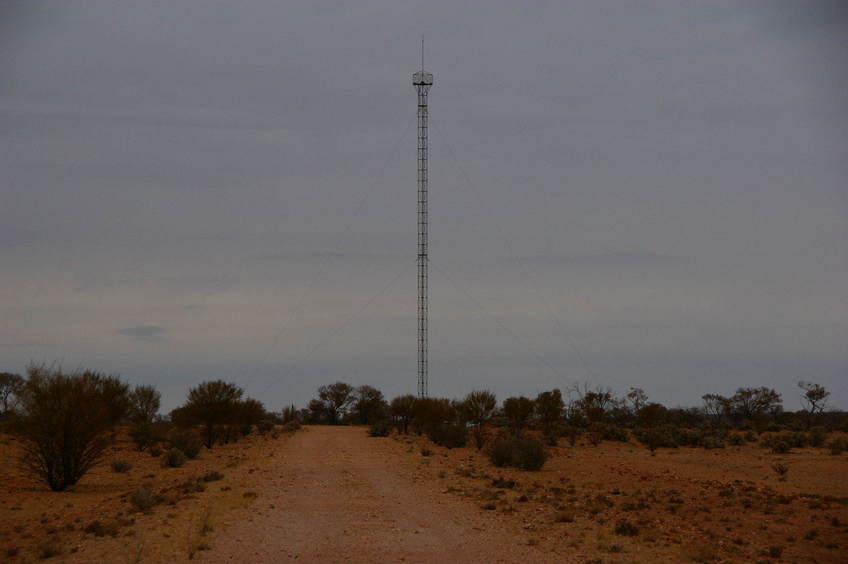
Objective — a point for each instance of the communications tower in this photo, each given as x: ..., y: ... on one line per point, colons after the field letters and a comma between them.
x: 422, y: 81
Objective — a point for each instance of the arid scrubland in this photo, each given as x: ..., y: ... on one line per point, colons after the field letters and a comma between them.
x: 584, y: 476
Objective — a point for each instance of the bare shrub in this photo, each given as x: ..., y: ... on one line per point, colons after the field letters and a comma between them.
x: 781, y: 470
x: 65, y: 422
x: 143, y: 499
x: 174, y: 458
x: 186, y: 441
x: 519, y: 451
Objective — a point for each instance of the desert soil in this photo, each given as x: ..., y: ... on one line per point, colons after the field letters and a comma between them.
x: 333, y: 494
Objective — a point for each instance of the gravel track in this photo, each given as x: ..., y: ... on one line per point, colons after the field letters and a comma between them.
x: 341, y: 496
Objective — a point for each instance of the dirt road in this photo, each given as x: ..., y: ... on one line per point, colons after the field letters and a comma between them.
x: 337, y: 499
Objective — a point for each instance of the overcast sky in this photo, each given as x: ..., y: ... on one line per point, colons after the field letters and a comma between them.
x: 649, y: 194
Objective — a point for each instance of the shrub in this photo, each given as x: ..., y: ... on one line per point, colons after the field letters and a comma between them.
x: 143, y: 499
x: 48, y: 549
x: 838, y: 446
x: 186, y: 441
x: 503, y: 483
x: 211, y: 404
x: 65, y: 422
x: 174, y: 458
x: 382, y: 428
x: 155, y: 451
x: 614, y: 433
x: 212, y: 476
x: 564, y: 517
x: 656, y: 437
x: 736, y: 439
x: 144, y: 435
x: 121, y: 466
x: 292, y: 425
x: 520, y: 451
x: 781, y: 470
x: 99, y: 529
x: 626, y: 529
x: 264, y: 426
x: 817, y: 436
x: 450, y: 435
x: 780, y: 447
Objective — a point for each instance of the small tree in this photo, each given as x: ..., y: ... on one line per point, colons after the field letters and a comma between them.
x: 333, y: 401
x: 249, y: 413
x: 144, y: 404
x: 748, y: 403
x: 10, y: 387
x: 477, y: 409
x: 210, y: 404
x: 549, y: 410
x: 517, y: 411
x: 402, y: 409
x: 814, y: 399
x: 715, y: 406
x: 369, y: 405
x: 637, y: 398
x: 432, y: 413
x: 65, y: 422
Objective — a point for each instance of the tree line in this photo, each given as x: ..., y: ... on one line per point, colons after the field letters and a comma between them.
x: 66, y: 421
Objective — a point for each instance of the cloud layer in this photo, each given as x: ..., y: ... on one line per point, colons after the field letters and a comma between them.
x: 647, y: 195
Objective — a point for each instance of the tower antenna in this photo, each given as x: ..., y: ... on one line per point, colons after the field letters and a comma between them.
x: 422, y: 81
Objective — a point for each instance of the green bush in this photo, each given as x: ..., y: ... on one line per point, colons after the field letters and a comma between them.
x: 450, y: 435
x: 520, y: 451
x: 174, y: 458
x: 186, y: 441
x: 382, y: 428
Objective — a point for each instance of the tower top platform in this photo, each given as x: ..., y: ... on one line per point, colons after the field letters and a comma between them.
x: 422, y: 78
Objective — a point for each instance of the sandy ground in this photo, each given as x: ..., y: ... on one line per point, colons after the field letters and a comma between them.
x: 345, y: 497
x: 333, y: 494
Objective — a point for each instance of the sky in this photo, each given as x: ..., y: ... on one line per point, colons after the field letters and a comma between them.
x: 645, y: 194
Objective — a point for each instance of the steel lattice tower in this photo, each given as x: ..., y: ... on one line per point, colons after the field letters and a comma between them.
x: 422, y: 81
